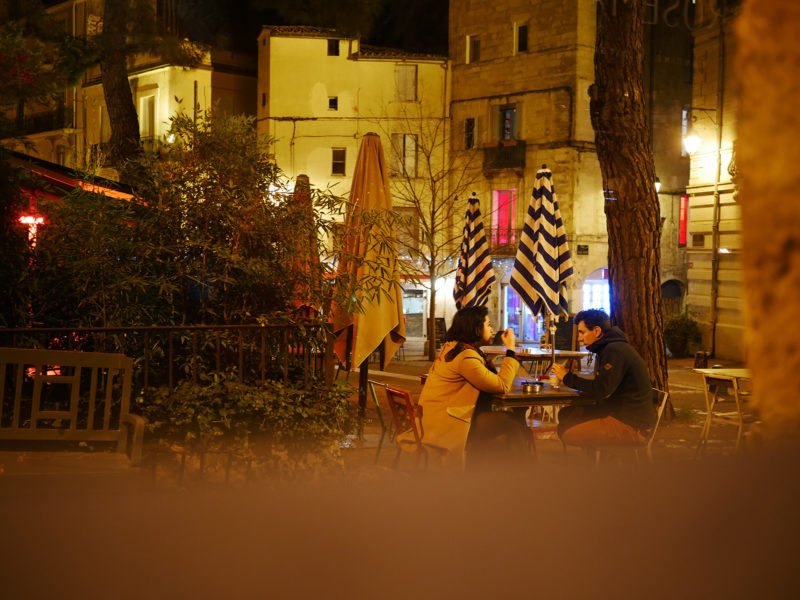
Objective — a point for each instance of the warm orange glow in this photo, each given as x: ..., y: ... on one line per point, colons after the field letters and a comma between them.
x: 33, y: 225
x: 99, y: 189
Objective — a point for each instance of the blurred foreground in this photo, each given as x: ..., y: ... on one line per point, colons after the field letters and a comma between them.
x: 723, y: 527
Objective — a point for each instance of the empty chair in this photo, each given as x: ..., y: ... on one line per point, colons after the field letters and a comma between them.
x: 407, y: 418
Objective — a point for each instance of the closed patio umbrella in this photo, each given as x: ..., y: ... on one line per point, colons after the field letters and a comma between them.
x: 305, y: 259
x: 370, y: 258
x: 475, y: 274
x: 543, y: 262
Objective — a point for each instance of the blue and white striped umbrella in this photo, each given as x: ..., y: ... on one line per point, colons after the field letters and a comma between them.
x: 475, y: 274
x: 543, y: 262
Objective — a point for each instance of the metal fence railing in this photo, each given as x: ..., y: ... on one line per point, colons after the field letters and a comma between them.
x: 166, y: 355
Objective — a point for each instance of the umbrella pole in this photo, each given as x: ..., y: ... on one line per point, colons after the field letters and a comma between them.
x: 552, y: 341
x: 363, y: 376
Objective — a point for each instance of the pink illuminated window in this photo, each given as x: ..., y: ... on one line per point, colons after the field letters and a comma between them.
x: 683, y: 218
x: 504, y: 211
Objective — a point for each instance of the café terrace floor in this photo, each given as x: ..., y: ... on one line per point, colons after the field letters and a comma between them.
x: 81, y: 524
x: 676, y: 438
x: 368, y: 457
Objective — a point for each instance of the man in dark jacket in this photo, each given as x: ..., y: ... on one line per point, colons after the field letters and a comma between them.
x: 621, y: 385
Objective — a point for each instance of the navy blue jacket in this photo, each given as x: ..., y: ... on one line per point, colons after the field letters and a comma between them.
x: 621, y: 383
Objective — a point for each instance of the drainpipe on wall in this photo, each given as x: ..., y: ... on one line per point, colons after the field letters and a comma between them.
x: 716, y: 214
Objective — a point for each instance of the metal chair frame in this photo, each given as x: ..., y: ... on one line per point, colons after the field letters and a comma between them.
x: 647, y: 444
x: 406, y: 415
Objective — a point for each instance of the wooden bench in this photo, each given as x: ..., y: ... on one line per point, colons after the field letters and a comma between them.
x: 61, y: 395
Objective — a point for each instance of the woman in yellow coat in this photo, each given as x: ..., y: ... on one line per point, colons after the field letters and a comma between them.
x: 453, y: 408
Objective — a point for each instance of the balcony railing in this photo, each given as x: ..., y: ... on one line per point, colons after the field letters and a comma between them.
x: 53, y: 120
x: 504, y: 155
x: 504, y: 242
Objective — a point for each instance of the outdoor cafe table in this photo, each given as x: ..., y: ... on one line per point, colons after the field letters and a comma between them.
x: 721, y: 378
x: 538, y: 359
x: 548, y: 396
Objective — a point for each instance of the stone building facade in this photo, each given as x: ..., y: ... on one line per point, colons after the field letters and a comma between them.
x: 715, y: 295
x: 521, y: 73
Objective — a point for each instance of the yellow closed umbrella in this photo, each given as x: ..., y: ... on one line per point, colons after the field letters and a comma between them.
x: 370, y: 259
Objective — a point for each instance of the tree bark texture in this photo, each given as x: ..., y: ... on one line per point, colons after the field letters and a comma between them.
x: 767, y: 156
x: 625, y: 152
x: 124, y: 142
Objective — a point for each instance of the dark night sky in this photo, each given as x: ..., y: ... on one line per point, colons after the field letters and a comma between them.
x: 416, y: 25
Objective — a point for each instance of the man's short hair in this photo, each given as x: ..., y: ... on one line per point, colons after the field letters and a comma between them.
x: 594, y: 317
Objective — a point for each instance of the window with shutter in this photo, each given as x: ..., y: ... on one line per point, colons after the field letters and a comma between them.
x: 404, y: 155
x: 405, y: 77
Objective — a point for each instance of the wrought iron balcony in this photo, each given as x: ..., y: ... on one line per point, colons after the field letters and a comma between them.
x: 504, y: 242
x: 52, y: 120
x: 504, y: 155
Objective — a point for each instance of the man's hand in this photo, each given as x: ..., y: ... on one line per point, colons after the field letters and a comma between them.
x: 560, y: 371
x: 508, y: 339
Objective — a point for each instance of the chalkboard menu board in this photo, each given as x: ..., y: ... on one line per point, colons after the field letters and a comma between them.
x: 563, y: 339
x: 441, y: 330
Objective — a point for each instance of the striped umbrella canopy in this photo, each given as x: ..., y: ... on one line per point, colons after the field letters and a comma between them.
x: 543, y: 262
x: 475, y: 274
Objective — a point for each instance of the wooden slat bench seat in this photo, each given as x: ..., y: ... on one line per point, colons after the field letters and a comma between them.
x: 63, y: 395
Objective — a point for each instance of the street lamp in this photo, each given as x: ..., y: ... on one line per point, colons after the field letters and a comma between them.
x: 658, y: 185
x: 691, y: 143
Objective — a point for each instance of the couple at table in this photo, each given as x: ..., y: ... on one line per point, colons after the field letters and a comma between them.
x: 457, y: 418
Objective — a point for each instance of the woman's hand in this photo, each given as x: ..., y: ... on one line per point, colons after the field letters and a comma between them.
x: 508, y: 339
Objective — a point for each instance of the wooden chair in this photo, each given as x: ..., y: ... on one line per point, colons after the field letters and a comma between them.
x: 660, y: 400
x: 407, y: 417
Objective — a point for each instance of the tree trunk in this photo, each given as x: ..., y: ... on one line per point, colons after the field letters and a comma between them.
x: 625, y: 152
x: 767, y: 153
x: 432, y: 319
x: 124, y: 142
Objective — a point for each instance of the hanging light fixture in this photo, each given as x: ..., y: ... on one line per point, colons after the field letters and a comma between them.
x: 691, y: 143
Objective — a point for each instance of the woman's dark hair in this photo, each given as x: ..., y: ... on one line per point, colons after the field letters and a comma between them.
x: 467, y: 325
x: 466, y: 328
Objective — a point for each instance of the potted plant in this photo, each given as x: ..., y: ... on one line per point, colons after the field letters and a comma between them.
x: 679, y: 332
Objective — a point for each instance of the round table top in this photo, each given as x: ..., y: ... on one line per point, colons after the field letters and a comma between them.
x: 522, y: 351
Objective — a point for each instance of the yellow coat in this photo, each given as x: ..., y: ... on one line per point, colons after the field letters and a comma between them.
x: 449, y: 395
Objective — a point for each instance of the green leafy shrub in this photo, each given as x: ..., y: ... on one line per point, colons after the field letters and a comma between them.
x: 679, y: 332
x: 284, y: 428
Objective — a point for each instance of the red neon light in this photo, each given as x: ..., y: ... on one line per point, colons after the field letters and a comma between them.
x: 33, y: 225
x: 683, y: 218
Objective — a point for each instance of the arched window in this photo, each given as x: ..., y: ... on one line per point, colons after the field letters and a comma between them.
x: 596, y: 292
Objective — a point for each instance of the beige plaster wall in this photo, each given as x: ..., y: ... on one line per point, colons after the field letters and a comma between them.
x: 298, y: 78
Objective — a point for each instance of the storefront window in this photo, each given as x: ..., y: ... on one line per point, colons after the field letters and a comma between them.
x: 518, y: 315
